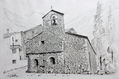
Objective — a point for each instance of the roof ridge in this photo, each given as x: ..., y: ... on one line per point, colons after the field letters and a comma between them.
x: 76, y: 34
x: 34, y: 36
x: 33, y: 27
x: 53, y: 11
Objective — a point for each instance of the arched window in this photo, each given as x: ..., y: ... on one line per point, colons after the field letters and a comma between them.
x: 52, y: 60
x: 54, y: 19
x: 36, y: 62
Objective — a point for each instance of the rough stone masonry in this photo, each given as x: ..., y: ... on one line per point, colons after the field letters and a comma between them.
x: 50, y: 49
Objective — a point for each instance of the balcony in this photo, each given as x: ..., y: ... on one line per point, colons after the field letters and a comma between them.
x: 15, y: 46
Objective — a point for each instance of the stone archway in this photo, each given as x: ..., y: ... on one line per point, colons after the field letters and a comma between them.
x: 36, y: 62
x: 52, y: 60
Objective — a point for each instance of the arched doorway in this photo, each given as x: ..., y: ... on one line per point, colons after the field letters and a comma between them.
x: 36, y: 62
x: 52, y: 60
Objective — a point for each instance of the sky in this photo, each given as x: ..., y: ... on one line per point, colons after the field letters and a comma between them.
x: 78, y: 14
x: 24, y: 14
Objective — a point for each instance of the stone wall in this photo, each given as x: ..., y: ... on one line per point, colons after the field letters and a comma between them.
x: 44, y: 63
x: 57, y: 29
x: 29, y: 34
x: 92, y: 58
x: 76, y: 54
x: 77, y: 57
x: 43, y: 43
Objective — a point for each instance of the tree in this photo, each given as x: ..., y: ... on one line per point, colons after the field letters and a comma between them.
x: 98, y: 22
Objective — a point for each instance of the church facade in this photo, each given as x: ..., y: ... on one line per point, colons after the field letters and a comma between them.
x: 52, y: 50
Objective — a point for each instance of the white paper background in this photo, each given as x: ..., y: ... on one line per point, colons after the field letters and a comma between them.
x: 23, y: 14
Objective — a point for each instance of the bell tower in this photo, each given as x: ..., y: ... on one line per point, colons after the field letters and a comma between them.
x: 53, y: 22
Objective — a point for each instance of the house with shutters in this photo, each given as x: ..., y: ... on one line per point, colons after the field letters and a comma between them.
x: 14, y: 54
x: 50, y: 49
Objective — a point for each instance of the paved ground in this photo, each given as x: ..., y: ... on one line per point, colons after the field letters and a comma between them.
x: 21, y: 74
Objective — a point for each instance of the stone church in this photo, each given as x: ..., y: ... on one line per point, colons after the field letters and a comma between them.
x: 50, y: 49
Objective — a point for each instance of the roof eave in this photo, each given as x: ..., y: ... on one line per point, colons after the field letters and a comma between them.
x: 53, y: 11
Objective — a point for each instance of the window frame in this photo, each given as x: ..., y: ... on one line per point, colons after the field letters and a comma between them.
x: 13, y: 61
x: 14, y: 50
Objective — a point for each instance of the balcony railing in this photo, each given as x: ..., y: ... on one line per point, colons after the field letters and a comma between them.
x: 15, y: 46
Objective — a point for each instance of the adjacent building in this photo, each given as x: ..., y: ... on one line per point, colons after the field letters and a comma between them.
x: 14, y: 50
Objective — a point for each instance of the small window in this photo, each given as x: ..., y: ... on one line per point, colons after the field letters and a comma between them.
x: 20, y: 57
x: 12, y: 38
x: 13, y: 51
x: 42, y: 42
x: 13, y: 61
x: 16, y: 40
